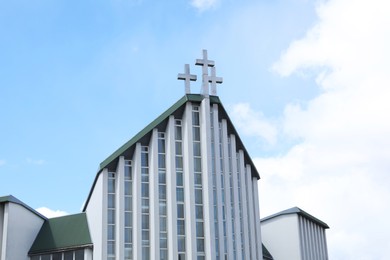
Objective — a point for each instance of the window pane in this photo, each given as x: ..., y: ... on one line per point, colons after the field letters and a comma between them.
x: 199, y: 212
x: 181, y: 245
x: 198, y: 178
x: 179, y: 178
x: 198, y: 196
x: 37, y: 258
x: 111, y: 232
x: 145, y: 190
x: 128, y: 173
x: 163, y: 254
x: 196, y: 149
x: 179, y: 163
x: 45, y: 257
x: 145, y: 236
x: 161, y: 176
x: 200, y: 245
x: 128, y: 235
x: 180, y: 211
x: 111, y: 201
x: 178, y: 147
x: 128, y: 188
x: 163, y: 224
x: 180, y: 194
x: 195, y: 118
x: 145, y: 222
x: 162, y: 194
x: 199, y: 229
x: 57, y: 256
x: 79, y: 254
x: 163, y: 243
x: 111, y: 216
x: 163, y: 208
x: 111, y: 185
x: 161, y: 160
x: 128, y: 204
x: 196, y: 133
x: 128, y: 219
x: 197, y: 165
x: 161, y: 145
x: 178, y: 135
x: 180, y: 227
x: 128, y: 252
x: 110, y: 248
x: 68, y: 255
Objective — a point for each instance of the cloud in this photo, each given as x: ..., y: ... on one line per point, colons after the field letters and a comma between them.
x: 35, y: 162
x: 253, y: 123
x: 338, y: 170
x: 49, y: 213
x: 203, y: 5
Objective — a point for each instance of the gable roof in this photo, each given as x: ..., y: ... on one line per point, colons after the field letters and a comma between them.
x: 296, y: 210
x: 12, y: 199
x: 176, y: 109
x: 62, y: 233
x: 266, y: 254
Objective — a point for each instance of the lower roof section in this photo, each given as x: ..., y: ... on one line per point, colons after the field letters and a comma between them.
x: 62, y: 233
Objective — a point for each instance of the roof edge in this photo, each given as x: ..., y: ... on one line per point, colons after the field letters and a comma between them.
x: 296, y: 210
x: 12, y: 199
x: 60, y: 249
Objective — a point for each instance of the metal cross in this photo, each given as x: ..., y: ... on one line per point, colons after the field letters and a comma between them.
x: 214, y: 80
x: 205, y: 63
x: 187, y: 77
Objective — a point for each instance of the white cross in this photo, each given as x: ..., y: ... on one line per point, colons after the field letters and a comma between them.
x: 205, y: 63
x: 214, y: 80
x: 187, y: 77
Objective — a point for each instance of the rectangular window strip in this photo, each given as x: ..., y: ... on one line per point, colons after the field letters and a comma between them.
x: 67, y: 255
x: 181, y: 233
x: 198, y: 184
x: 214, y: 176
x: 232, y: 196
x: 162, y: 196
x: 221, y: 159
x: 111, y: 216
x: 239, y: 181
x: 128, y: 200
x: 145, y: 226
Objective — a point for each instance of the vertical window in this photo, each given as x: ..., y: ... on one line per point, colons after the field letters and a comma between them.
x: 239, y: 181
x: 230, y: 164
x: 222, y: 171
x: 145, y: 227
x: 181, y: 232
x: 198, y: 181
x: 162, y: 196
x: 111, y: 216
x: 128, y: 200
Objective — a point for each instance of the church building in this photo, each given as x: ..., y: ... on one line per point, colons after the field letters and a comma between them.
x: 184, y: 187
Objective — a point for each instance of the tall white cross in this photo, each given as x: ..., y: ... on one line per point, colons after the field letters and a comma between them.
x: 187, y: 77
x: 205, y: 63
x: 214, y: 80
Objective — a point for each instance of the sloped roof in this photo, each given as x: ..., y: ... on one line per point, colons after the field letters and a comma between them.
x: 266, y: 254
x: 12, y: 199
x: 175, y: 109
x: 68, y: 232
x: 296, y: 210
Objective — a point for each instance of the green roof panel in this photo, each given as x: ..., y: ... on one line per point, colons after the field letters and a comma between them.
x: 62, y: 233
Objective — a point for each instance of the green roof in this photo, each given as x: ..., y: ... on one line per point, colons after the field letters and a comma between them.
x: 12, y: 199
x: 266, y: 254
x: 62, y: 233
x: 175, y: 109
x: 296, y: 210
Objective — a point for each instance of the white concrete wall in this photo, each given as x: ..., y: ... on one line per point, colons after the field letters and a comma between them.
x: 281, y: 237
x: 94, y: 212
x: 20, y: 227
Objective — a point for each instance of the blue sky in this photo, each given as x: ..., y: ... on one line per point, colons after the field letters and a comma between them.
x: 305, y: 82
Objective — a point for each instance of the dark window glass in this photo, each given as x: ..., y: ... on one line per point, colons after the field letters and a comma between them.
x: 57, y: 256
x: 68, y: 255
x: 180, y: 227
x: 180, y: 211
x: 79, y: 254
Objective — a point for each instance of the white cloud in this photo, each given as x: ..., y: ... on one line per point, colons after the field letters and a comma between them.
x: 253, y: 123
x: 35, y: 161
x: 339, y: 169
x: 49, y: 213
x: 203, y: 5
